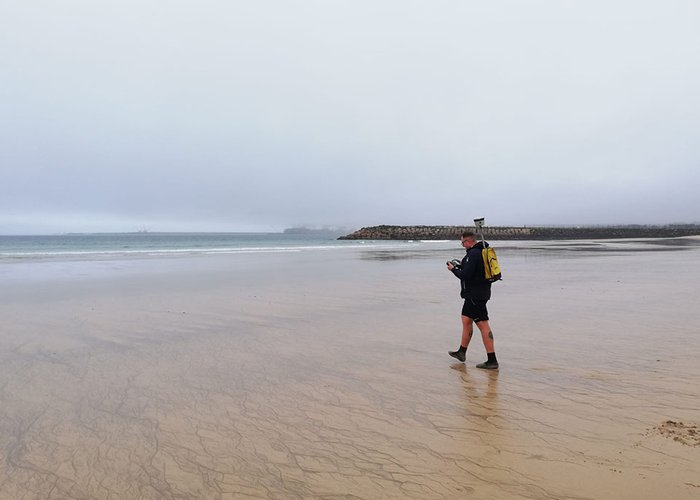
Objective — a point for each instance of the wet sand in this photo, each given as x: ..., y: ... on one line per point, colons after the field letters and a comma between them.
x: 325, y: 375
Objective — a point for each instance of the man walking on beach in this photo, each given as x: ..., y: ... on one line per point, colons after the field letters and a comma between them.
x: 476, y: 291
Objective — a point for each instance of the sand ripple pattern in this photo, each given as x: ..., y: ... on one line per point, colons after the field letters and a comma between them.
x: 178, y: 390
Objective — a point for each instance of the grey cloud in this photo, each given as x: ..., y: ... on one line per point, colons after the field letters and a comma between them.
x: 228, y: 115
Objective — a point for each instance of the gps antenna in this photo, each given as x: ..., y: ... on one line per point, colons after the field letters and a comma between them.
x: 479, y: 225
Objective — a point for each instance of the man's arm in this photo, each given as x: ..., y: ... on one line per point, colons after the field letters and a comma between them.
x: 466, y: 271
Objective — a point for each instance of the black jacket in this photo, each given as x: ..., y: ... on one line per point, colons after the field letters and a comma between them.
x: 471, y: 275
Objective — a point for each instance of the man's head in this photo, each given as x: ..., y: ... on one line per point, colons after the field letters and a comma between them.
x: 468, y: 239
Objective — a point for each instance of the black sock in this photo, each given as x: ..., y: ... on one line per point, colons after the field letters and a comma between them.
x: 462, y: 349
x: 492, y: 357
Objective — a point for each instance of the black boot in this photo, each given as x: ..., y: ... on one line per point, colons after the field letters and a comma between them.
x: 491, y: 363
x: 459, y: 353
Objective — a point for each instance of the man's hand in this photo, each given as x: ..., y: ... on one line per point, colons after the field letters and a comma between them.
x: 450, y: 266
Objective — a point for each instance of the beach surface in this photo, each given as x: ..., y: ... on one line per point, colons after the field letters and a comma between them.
x: 325, y: 374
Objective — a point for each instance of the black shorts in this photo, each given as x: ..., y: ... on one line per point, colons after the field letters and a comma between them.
x: 475, y: 309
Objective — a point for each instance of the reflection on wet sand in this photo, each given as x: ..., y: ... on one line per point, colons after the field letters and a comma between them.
x: 337, y: 384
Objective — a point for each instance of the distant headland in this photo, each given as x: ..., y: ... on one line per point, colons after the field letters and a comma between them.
x: 525, y: 232
x: 317, y: 231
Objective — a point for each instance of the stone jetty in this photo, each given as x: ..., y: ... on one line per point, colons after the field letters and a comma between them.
x: 524, y: 233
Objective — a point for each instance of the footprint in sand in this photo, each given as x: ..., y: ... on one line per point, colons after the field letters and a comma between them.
x: 687, y: 434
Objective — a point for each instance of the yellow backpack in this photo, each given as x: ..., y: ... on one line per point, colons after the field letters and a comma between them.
x: 492, y: 271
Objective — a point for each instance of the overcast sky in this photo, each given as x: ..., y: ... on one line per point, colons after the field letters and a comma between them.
x: 224, y: 115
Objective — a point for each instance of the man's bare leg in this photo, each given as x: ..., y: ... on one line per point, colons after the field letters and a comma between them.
x: 467, y: 332
x: 487, y: 337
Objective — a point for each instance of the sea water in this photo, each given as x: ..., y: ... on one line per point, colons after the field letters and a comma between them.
x: 109, y: 246
x: 70, y: 260
x: 135, y: 245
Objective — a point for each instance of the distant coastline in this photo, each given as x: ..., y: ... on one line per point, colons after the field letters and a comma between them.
x: 320, y: 232
x: 386, y: 232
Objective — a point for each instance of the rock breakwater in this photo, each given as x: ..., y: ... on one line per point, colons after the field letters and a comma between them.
x: 386, y: 232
